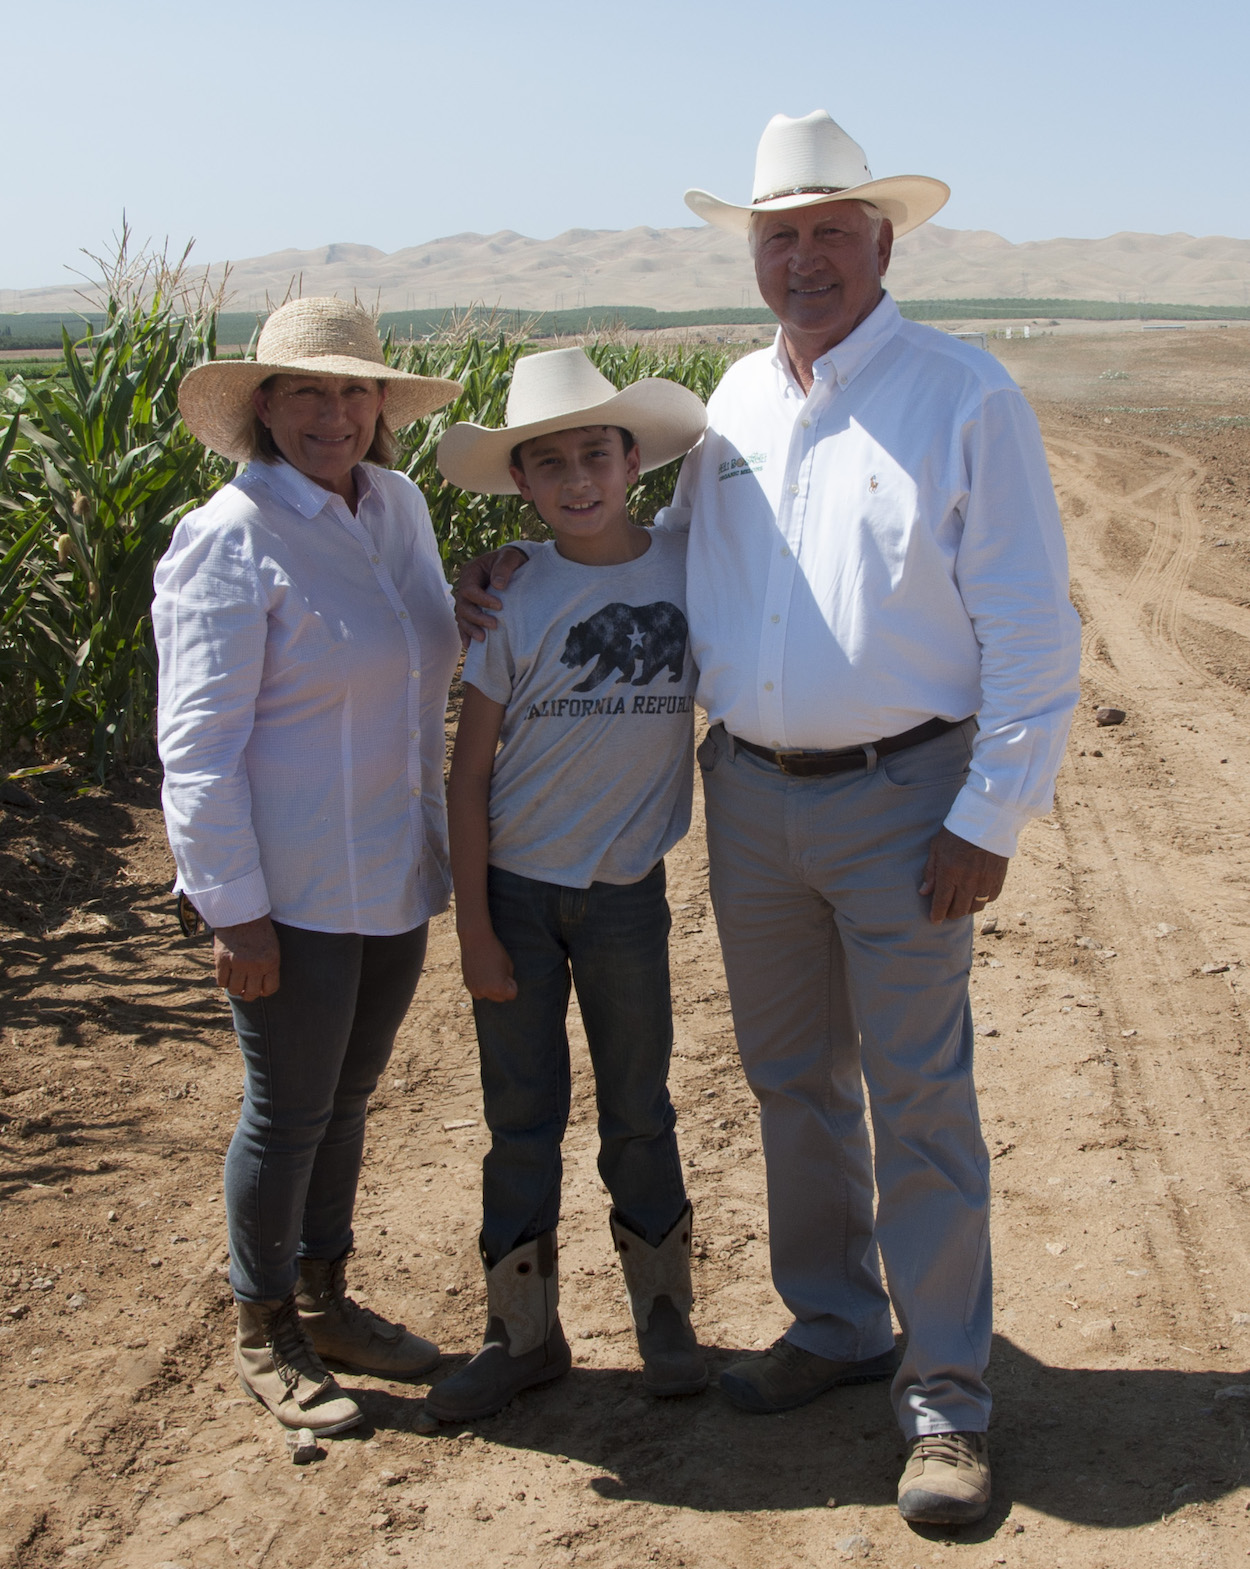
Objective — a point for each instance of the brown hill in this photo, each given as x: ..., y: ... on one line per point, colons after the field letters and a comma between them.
x: 703, y: 268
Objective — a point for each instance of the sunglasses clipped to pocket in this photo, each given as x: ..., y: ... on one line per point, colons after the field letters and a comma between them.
x: 189, y: 918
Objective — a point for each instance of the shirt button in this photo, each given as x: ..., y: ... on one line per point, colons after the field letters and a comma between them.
x: 841, y: 381
x: 806, y: 425
x: 416, y: 789
x: 774, y: 619
x: 375, y: 559
x: 785, y: 550
x: 414, y: 735
x: 794, y: 490
x: 403, y: 615
x: 768, y: 686
x: 416, y: 675
x: 776, y: 745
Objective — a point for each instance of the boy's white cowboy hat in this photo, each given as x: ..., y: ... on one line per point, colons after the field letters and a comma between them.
x: 561, y: 390
x: 321, y: 336
x: 803, y: 162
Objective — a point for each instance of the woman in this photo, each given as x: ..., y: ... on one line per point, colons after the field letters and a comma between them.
x: 306, y: 644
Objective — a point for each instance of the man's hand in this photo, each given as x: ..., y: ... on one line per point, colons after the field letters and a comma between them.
x: 963, y: 878
x: 246, y: 959
x: 486, y: 968
x: 474, y: 596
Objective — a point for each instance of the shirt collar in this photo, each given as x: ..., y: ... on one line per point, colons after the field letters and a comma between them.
x: 302, y: 494
x: 845, y: 360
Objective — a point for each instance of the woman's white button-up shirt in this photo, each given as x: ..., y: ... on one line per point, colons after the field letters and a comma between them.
x: 305, y: 657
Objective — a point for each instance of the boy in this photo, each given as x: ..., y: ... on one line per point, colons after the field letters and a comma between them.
x: 557, y: 838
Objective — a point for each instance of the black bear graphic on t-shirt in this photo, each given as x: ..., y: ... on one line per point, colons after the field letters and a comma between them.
x: 620, y: 636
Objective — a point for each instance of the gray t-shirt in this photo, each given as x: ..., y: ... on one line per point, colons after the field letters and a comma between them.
x: 593, y: 778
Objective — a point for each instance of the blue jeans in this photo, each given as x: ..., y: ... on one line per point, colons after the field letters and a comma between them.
x: 313, y: 1053
x: 613, y: 938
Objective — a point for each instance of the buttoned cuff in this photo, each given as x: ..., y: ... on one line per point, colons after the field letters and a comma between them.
x: 981, y: 822
x: 233, y: 903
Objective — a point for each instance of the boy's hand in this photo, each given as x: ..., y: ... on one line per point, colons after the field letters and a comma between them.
x: 474, y: 598
x: 487, y: 969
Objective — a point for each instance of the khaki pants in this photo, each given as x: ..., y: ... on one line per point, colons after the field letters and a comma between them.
x: 838, y: 979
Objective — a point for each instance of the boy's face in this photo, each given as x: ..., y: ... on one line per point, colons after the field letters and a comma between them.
x: 578, y: 480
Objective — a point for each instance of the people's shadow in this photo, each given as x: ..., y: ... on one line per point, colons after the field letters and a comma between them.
x: 1106, y: 1447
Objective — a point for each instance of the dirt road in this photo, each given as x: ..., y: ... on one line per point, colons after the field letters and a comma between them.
x: 1115, y: 1084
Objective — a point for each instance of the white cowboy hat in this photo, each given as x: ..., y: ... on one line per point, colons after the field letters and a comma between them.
x: 561, y: 390
x: 803, y: 162
x: 321, y: 336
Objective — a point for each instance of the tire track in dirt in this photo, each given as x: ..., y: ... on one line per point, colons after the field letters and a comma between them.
x: 1151, y: 862
x: 1163, y: 507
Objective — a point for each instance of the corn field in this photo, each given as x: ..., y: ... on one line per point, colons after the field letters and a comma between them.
x: 96, y: 468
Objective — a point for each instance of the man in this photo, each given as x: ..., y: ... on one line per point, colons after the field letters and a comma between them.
x: 875, y: 557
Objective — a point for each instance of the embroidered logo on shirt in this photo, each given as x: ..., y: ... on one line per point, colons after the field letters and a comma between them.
x: 872, y: 482
x: 739, y: 467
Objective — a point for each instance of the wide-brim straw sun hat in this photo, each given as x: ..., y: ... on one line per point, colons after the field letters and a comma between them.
x: 321, y: 336
x: 561, y: 390
x: 803, y: 162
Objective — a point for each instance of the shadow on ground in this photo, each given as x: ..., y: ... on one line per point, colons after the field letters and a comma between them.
x: 1057, y: 1442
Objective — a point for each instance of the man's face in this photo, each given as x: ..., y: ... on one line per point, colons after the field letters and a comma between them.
x: 820, y: 268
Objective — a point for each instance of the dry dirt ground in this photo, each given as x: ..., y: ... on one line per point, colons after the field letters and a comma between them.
x: 1115, y: 1082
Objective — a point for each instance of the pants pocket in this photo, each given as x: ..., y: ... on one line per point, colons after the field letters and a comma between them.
x: 709, y: 749
x: 941, y: 761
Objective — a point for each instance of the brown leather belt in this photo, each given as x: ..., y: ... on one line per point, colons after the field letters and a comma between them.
x: 807, y: 765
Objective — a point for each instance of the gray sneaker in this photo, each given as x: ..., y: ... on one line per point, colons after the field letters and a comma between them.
x: 946, y: 1480
x: 786, y: 1376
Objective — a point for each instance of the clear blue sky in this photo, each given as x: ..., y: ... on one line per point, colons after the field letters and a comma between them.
x: 262, y: 125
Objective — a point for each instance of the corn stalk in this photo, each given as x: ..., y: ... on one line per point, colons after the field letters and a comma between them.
x: 96, y: 468
x: 99, y: 470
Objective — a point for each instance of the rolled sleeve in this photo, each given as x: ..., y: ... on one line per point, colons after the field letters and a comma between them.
x: 245, y: 899
x: 488, y: 665
x: 1012, y: 574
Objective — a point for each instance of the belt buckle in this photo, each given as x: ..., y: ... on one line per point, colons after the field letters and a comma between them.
x: 782, y: 760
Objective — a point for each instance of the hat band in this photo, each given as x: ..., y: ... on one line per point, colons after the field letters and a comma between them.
x: 801, y: 190
x: 346, y: 353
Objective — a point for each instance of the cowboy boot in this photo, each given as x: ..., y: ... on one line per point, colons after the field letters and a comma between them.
x: 657, y: 1282
x: 524, y: 1344
x: 352, y: 1336
x: 277, y: 1365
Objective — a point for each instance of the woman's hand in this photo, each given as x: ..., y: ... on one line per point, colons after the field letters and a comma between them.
x: 246, y: 959
x: 474, y: 597
x: 486, y: 968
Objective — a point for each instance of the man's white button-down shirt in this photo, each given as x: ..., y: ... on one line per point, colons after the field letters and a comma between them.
x: 884, y: 550
x: 305, y: 658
